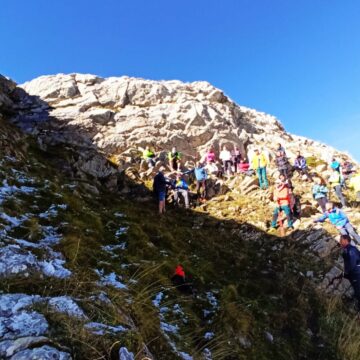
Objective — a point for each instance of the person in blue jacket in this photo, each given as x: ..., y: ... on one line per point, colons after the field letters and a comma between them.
x: 201, y: 177
x: 300, y: 166
x: 351, y: 256
x: 340, y: 220
x: 181, y: 187
x: 320, y: 192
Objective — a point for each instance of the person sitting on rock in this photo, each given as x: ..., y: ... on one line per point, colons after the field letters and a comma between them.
x: 282, y: 197
x: 258, y: 164
x: 320, y: 191
x: 181, y: 188
x: 174, y: 157
x: 210, y: 156
x: 301, y: 167
x: 351, y: 256
x: 335, y: 165
x: 235, y: 157
x: 335, y: 182
x: 282, y: 164
x: 225, y: 157
x: 244, y: 167
x: 159, y: 187
x: 355, y: 184
x: 340, y: 220
x: 180, y: 281
x: 149, y: 157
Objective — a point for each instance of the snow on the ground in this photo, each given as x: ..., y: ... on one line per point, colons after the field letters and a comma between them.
x: 125, y: 354
x: 122, y: 231
x: 110, y: 280
x: 66, y: 305
x: 102, y: 329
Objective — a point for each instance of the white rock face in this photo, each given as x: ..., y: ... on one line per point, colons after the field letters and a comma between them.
x: 115, y: 114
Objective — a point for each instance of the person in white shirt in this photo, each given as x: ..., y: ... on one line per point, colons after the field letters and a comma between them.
x: 225, y: 157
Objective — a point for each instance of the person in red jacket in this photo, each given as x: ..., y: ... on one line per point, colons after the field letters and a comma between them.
x: 179, y: 280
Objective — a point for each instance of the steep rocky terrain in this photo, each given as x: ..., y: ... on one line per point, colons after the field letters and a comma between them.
x: 85, y: 261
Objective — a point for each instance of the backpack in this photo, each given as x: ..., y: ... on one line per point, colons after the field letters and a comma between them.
x: 296, y: 210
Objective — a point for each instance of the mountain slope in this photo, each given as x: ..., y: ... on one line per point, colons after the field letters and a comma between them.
x: 98, y: 262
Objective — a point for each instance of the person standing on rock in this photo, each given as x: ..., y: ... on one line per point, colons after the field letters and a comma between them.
x: 235, y: 158
x: 225, y: 157
x: 340, y: 220
x: 282, y: 164
x: 280, y: 148
x: 149, y: 157
x: 355, y: 184
x: 282, y: 197
x: 351, y: 256
x: 320, y: 191
x: 210, y: 156
x: 258, y: 164
x: 335, y: 182
x: 201, y: 177
x: 159, y: 188
x: 301, y: 167
x: 181, y: 188
x: 174, y: 157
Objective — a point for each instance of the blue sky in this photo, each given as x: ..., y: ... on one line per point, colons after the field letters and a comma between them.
x: 298, y: 60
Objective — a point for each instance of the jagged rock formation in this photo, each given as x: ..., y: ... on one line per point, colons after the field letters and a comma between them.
x: 116, y: 114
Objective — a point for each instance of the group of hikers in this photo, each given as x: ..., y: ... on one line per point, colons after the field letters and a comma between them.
x: 231, y: 162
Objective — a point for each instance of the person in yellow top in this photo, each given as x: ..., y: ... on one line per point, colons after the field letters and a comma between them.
x: 259, y: 163
x: 355, y: 184
x: 149, y: 157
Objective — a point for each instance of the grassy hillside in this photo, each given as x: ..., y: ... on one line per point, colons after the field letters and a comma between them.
x: 252, y: 297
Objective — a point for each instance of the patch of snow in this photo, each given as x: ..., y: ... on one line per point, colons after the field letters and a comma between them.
x: 209, y: 335
x: 121, y: 231
x: 66, y: 305
x: 45, y: 352
x: 207, y: 355
x: 112, y: 248
x: 158, y: 298
x: 110, y: 280
x: 54, y: 268
x: 168, y: 328
x: 125, y: 354
x: 119, y: 215
x: 102, y: 329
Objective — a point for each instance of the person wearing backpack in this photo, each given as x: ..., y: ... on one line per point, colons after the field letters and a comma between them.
x: 319, y: 192
x: 335, y: 182
x: 282, y: 197
x: 340, y: 221
x: 258, y: 164
x: 351, y: 257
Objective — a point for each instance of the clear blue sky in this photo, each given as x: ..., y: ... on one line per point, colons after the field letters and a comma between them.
x: 296, y: 59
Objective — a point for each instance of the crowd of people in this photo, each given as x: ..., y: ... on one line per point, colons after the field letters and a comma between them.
x: 232, y: 162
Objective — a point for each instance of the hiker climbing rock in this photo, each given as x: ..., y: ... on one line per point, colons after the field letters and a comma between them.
x: 174, y: 158
x: 338, y: 218
x: 335, y: 182
x: 282, y: 198
x: 320, y: 192
x: 258, y: 164
x: 300, y: 166
x: 181, y: 188
x: 351, y: 256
